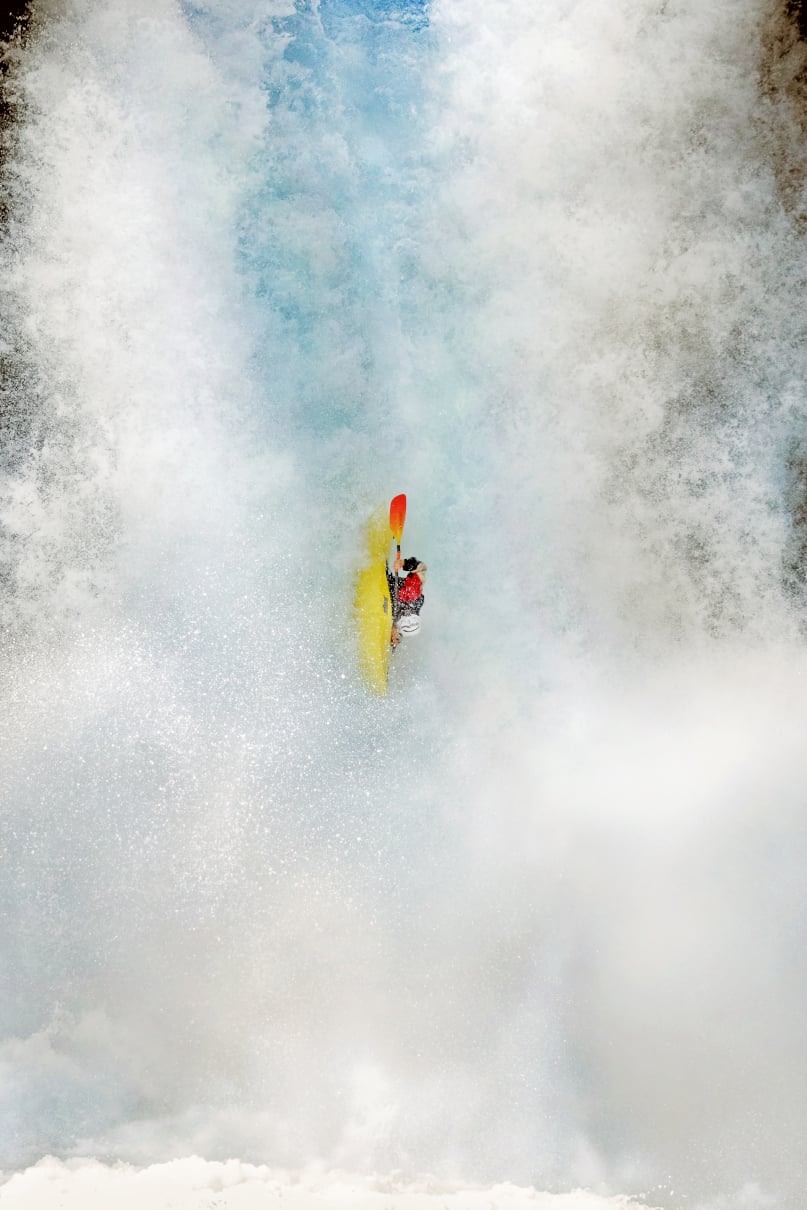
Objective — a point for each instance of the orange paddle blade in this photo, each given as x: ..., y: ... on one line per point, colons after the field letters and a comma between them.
x: 397, y: 517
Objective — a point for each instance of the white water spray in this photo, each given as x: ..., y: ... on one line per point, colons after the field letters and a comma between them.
x: 536, y: 917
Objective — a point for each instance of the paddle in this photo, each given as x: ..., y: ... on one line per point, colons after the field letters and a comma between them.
x: 397, y: 517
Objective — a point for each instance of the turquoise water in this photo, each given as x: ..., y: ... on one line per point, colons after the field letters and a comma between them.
x: 536, y: 916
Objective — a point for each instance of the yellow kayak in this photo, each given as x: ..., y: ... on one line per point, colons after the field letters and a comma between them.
x: 372, y: 605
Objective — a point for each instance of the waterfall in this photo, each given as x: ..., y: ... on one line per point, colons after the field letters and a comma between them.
x: 538, y: 915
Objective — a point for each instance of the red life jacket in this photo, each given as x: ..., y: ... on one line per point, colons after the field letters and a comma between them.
x: 412, y: 588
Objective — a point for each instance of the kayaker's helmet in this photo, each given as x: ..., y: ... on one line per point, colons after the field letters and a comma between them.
x: 410, y: 564
x: 408, y: 625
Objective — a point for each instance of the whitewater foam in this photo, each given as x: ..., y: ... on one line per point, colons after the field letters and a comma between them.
x: 537, y: 916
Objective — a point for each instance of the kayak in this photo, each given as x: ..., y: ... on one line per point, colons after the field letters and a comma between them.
x: 372, y: 605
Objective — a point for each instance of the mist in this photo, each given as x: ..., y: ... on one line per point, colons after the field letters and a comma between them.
x: 538, y: 916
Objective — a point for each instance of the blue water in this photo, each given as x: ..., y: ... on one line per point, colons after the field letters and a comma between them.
x: 537, y: 915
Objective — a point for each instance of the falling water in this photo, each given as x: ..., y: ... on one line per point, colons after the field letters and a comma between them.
x: 539, y: 915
